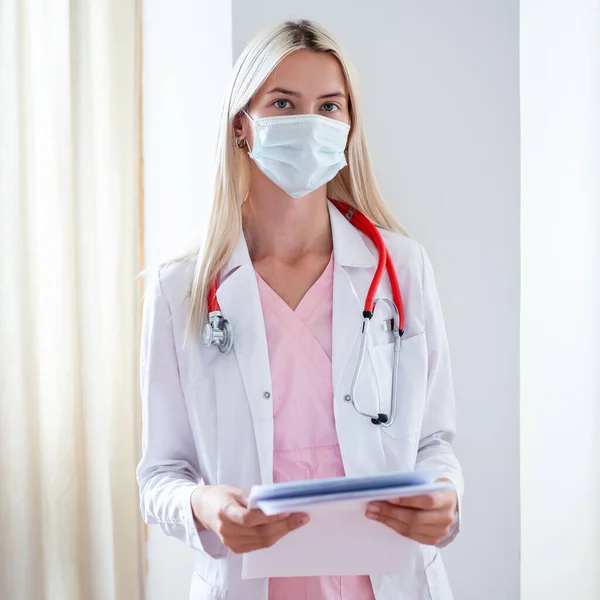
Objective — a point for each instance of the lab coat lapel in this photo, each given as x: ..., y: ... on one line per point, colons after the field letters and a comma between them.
x: 355, y: 263
x: 240, y: 303
x: 346, y: 322
x: 351, y: 253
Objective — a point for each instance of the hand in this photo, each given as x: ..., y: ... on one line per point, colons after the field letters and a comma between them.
x: 224, y: 510
x: 425, y: 519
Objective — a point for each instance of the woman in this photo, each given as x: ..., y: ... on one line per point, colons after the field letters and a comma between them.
x: 291, y: 273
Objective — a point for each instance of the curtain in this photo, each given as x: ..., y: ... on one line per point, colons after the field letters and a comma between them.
x: 69, y: 300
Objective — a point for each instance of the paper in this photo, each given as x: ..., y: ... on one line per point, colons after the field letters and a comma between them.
x: 346, y: 486
x: 305, y: 504
x: 339, y: 540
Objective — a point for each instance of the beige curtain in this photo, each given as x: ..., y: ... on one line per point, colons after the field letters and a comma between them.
x: 69, y: 304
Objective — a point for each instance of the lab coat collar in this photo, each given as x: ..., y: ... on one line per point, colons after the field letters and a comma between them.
x: 349, y: 246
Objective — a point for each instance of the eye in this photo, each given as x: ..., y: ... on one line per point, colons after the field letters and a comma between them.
x: 330, y: 107
x: 282, y: 103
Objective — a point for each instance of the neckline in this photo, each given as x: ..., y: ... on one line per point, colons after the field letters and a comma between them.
x: 315, y: 289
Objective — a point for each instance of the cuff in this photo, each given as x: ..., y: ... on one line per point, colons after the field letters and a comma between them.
x: 456, y: 524
x: 200, y: 539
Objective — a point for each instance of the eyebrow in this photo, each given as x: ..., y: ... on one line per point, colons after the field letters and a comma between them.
x: 278, y: 90
x: 333, y: 95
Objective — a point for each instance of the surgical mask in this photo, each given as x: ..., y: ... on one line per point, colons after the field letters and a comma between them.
x: 299, y: 153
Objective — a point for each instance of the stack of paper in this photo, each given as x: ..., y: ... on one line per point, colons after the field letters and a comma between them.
x: 339, y: 540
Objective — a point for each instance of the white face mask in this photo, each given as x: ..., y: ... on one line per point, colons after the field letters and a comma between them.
x: 299, y: 153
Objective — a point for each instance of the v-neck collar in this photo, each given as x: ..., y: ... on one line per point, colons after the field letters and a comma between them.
x: 310, y: 298
x: 296, y: 326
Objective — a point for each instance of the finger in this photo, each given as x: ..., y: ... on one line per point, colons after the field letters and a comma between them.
x: 240, y: 515
x: 431, y: 501
x: 257, y: 518
x: 404, y: 515
x: 438, y: 531
x: 265, y: 536
x: 429, y: 536
x: 413, y: 521
x: 244, y: 547
x: 237, y: 536
x: 271, y: 533
x: 436, y: 518
x: 421, y: 502
x: 411, y: 516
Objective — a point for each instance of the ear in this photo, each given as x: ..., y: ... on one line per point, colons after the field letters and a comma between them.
x: 238, y: 125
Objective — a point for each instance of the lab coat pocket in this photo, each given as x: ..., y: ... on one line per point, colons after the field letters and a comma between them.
x: 202, y: 590
x: 437, y: 580
x: 411, y: 385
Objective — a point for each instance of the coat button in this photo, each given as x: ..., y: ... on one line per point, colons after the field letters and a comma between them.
x: 266, y: 395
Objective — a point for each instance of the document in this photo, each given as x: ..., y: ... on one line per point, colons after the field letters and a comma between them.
x: 339, y: 539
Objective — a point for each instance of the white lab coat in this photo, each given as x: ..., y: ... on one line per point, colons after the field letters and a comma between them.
x: 208, y: 417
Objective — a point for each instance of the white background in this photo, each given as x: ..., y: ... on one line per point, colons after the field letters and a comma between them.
x: 186, y: 65
x: 442, y: 99
x: 560, y: 333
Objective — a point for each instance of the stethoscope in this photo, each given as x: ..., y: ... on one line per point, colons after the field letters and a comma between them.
x: 219, y: 332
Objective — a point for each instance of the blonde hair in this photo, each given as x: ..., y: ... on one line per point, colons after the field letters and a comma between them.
x: 355, y: 184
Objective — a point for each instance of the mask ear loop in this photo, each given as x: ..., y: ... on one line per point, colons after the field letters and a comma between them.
x: 240, y: 143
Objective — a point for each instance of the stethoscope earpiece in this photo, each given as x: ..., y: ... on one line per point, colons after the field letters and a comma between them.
x: 380, y: 420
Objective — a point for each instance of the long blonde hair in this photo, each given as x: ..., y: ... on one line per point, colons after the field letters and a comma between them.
x: 355, y: 184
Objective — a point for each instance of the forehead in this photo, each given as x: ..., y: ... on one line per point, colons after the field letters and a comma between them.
x: 306, y: 71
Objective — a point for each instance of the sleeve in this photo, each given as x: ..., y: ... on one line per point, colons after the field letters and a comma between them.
x: 168, y: 471
x: 439, y: 421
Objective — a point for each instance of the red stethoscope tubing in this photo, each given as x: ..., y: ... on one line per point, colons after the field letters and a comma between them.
x: 384, y: 262
x: 213, y: 303
x: 363, y: 224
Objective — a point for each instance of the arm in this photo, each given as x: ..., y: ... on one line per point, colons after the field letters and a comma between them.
x: 439, y: 420
x: 168, y: 472
x: 431, y: 519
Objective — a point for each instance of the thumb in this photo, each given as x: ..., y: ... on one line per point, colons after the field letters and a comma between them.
x: 242, y: 497
x: 234, y: 511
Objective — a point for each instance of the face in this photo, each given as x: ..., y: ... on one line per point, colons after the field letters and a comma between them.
x: 304, y: 82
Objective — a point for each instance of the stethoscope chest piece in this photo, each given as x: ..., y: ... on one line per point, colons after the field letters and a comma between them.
x: 218, y: 332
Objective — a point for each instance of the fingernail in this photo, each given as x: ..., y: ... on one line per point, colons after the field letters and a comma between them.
x: 373, y: 511
x: 303, y: 520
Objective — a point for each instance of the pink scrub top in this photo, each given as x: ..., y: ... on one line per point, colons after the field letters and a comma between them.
x: 305, y: 438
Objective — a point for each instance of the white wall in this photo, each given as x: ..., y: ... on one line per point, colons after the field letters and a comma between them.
x: 440, y: 84
x: 186, y: 66
x: 182, y: 95
x: 560, y: 352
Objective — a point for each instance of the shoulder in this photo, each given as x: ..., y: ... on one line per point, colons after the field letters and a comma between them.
x: 408, y: 255
x: 173, y: 281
